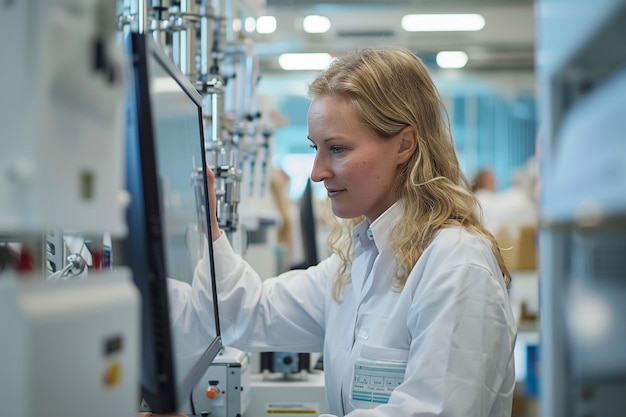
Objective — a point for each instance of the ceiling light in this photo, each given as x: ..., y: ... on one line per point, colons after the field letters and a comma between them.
x: 266, y: 24
x: 316, y: 24
x: 451, y: 59
x: 442, y: 22
x: 249, y: 24
x: 316, y: 61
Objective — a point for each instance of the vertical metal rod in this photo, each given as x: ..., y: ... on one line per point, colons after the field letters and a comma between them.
x: 188, y: 40
x: 159, y: 24
x: 251, y: 75
x: 178, y: 32
x: 231, y: 6
x: 215, y: 117
x: 206, y: 35
x: 139, y: 8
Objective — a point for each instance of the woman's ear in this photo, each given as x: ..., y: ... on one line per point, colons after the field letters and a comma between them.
x: 408, y: 144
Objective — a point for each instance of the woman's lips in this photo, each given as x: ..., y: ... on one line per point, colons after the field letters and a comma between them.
x: 333, y: 193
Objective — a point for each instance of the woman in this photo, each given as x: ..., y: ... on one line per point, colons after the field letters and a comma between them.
x: 411, y: 309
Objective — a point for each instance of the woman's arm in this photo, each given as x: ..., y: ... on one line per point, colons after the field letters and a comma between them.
x: 284, y: 313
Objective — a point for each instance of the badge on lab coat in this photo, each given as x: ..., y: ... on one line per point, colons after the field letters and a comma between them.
x: 374, y: 381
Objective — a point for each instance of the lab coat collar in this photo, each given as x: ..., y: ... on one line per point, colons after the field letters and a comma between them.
x: 369, y: 241
x: 380, y: 229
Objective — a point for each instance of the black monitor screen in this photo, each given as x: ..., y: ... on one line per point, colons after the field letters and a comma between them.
x: 308, y: 227
x: 167, y: 215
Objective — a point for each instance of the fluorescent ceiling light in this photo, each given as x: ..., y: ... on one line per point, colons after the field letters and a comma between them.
x: 451, y: 59
x: 316, y: 24
x: 266, y: 24
x: 442, y: 22
x: 249, y: 24
x: 317, y: 61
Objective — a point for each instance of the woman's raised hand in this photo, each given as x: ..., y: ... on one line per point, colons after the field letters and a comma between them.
x: 215, y: 227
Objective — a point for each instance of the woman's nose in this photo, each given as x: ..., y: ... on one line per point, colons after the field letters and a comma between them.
x: 319, y: 172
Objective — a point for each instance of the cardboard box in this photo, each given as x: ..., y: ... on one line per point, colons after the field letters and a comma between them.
x: 518, y: 246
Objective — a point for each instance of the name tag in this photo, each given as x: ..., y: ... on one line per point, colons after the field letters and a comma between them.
x: 374, y: 381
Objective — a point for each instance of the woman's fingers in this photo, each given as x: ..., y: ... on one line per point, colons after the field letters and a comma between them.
x: 215, y: 232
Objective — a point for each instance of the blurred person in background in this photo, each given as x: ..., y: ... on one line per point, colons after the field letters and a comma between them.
x: 484, y: 188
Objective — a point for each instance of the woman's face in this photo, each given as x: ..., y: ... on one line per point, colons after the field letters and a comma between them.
x: 358, y: 169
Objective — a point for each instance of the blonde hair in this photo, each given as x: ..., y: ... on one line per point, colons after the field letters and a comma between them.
x: 390, y: 89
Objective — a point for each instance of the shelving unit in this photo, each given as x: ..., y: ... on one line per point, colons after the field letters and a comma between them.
x: 582, y: 82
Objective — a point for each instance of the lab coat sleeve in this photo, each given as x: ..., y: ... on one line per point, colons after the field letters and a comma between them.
x: 284, y: 313
x: 461, y: 354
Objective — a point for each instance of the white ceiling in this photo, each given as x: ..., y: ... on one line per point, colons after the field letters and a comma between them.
x: 506, y: 43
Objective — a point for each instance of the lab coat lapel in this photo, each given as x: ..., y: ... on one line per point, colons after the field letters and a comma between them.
x: 362, y: 263
x: 377, y: 236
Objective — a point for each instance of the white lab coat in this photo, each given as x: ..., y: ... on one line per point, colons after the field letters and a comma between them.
x: 449, y: 334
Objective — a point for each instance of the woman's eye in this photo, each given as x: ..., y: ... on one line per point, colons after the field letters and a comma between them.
x: 336, y: 149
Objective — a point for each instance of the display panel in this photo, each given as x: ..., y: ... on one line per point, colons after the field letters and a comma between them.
x: 308, y: 227
x: 167, y: 215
